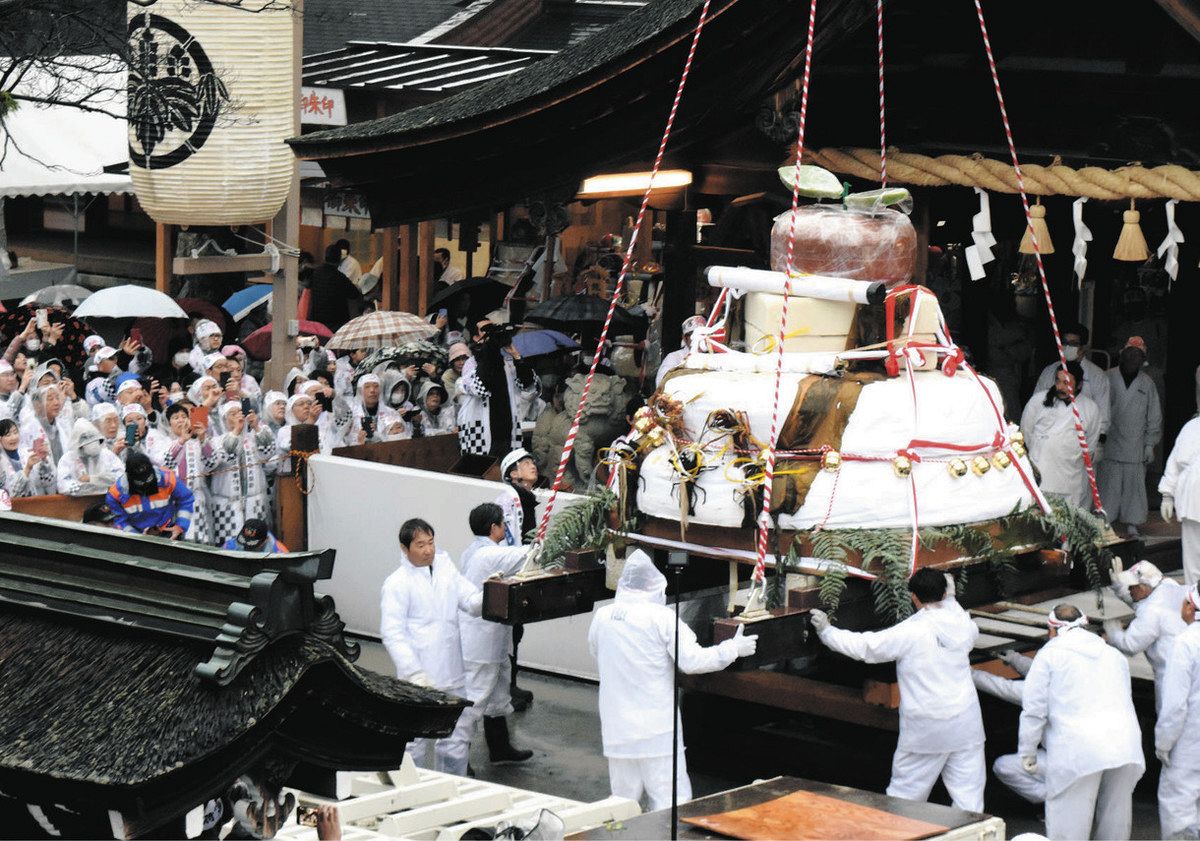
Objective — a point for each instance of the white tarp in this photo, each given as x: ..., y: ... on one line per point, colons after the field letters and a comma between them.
x: 61, y: 149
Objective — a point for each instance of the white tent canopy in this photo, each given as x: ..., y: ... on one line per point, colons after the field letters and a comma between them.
x: 60, y: 149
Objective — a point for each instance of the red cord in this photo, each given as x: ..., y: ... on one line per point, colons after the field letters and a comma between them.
x: 1037, y: 253
x: 569, y: 444
x: 882, y: 111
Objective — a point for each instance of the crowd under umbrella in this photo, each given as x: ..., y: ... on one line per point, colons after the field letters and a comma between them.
x: 258, y: 344
x: 484, y: 293
x: 382, y: 328
x: 130, y: 301
x: 67, y: 295
x: 69, y: 348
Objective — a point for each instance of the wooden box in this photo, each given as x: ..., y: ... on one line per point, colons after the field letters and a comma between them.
x: 781, y: 636
x: 518, y: 601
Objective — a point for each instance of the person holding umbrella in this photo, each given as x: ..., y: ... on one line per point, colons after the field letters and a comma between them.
x: 493, y: 382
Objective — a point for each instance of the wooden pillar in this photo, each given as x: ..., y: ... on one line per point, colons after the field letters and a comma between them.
x: 389, y: 269
x: 425, y: 254
x: 285, y: 286
x: 163, y: 254
x: 408, y: 268
x: 495, y: 235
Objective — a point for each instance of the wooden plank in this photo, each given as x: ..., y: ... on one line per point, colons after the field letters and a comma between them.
x: 425, y: 256
x: 374, y: 806
x: 162, y: 258
x: 463, y: 807
x: 795, y: 693
x: 221, y: 264
x: 58, y: 506
x: 409, y: 273
x: 437, y: 453
x: 389, y: 269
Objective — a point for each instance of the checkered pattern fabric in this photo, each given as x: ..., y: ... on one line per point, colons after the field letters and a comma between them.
x: 472, y: 438
x: 381, y: 329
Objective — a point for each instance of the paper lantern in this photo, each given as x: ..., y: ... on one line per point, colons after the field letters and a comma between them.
x: 210, y: 105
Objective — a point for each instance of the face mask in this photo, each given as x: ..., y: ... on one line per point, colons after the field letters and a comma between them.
x: 1071, y: 352
x: 91, y: 449
x: 33, y: 345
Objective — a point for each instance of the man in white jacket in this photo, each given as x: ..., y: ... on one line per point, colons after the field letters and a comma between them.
x: 1077, y: 704
x: 1177, y: 733
x: 941, y: 730
x: 485, y: 644
x: 1075, y: 348
x: 419, y: 626
x: 633, y: 641
x: 1180, y: 487
x: 1156, y: 622
x: 1134, y: 431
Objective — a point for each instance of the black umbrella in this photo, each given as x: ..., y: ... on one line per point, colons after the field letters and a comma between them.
x: 583, y: 312
x: 485, y: 293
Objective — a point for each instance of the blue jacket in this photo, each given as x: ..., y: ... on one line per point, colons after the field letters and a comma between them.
x: 170, y: 505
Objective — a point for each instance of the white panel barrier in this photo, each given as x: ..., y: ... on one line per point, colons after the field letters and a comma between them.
x: 357, y: 507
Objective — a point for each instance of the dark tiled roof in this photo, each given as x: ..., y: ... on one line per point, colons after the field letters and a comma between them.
x: 329, y: 24
x: 564, y: 24
x: 431, y: 68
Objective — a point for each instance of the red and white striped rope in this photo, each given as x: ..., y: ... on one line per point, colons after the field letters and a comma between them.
x: 1037, y: 253
x: 569, y: 444
x: 882, y: 110
x: 764, y: 519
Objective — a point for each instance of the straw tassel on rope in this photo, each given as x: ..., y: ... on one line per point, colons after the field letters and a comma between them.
x: 1131, y: 247
x: 1037, y: 228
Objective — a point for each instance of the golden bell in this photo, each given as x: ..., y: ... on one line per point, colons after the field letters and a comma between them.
x: 643, y: 420
x: 902, y: 467
x: 1001, y: 460
x: 656, y: 437
x: 831, y: 460
x: 980, y: 465
x: 957, y: 468
x: 1018, y: 443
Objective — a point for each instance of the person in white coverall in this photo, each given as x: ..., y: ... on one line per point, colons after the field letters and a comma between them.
x: 1049, y: 427
x: 1134, y: 431
x: 486, y: 645
x: 1156, y: 621
x: 1008, y: 768
x: 675, y: 358
x: 941, y: 731
x: 1075, y: 348
x: 419, y: 626
x: 633, y: 641
x: 1180, y: 487
x: 1177, y: 733
x: 1077, y: 704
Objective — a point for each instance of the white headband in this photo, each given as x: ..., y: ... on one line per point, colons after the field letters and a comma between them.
x: 1062, y: 625
x: 128, y: 385
x: 132, y: 409
x: 228, y: 407
x: 1194, y: 597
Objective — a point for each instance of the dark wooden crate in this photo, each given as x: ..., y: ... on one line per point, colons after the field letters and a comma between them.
x: 782, y: 636
x: 518, y: 601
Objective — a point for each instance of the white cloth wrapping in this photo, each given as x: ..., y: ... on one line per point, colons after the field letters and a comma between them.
x: 1083, y: 235
x: 1054, y: 445
x: 1077, y: 704
x: 979, y: 253
x: 1168, y: 250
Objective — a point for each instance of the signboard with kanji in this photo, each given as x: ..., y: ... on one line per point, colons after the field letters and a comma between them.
x: 345, y: 203
x: 322, y: 107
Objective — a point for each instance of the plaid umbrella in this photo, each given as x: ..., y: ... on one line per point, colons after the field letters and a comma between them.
x: 381, y: 329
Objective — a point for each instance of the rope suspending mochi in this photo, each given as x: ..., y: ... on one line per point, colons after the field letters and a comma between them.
x: 1037, y: 254
x: 764, y: 518
x: 619, y: 286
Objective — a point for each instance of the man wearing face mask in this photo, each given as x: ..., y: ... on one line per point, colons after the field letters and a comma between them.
x: 150, y: 500
x: 1135, y: 430
x: 88, y: 467
x: 1075, y: 348
x: 1049, y: 427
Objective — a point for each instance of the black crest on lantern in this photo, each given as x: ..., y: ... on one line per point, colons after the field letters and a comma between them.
x: 172, y: 87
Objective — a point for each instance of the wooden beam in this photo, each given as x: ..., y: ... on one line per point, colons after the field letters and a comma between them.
x: 425, y: 255
x: 388, y: 272
x: 162, y: 258
x: 219, y: 265
x: 408, y: 268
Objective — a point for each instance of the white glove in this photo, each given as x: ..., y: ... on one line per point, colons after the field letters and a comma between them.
x: 1013, y: 660
x: 1111, y: 628
x: 1115, y: 569
x: 745, y: 645
x: 1167, y: 509
x: 421, y: 679
x: 1164, y: 756
x: 819, y: 619
x: 1029, y: 763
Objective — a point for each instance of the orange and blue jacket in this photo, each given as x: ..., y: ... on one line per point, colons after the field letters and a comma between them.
x: 170, y: 505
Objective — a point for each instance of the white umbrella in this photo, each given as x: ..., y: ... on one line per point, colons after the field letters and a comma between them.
x: 129, y: 302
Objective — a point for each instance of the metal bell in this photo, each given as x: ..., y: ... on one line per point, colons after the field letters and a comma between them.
x: 902, y: 467
x: 1001, y: 460
x: 980, y: 465
x: 831, y: 460
x: 957, y: 468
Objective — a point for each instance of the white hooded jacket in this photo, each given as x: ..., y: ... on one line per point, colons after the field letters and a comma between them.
x: 939, y: 707
x: 1181, y: 476
x: 633, y: 641
x: 1178, y: 727
x: 419, y: 620
x: 484, y: 641
x: 1156, y: 624
x: 1077, y: 704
